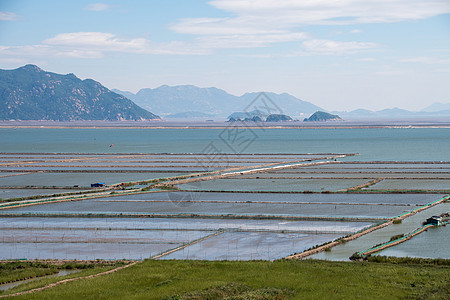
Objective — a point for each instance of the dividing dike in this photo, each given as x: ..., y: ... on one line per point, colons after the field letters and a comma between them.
x: 395, y: 242
x: 367, y: 231
x: 187, y: 244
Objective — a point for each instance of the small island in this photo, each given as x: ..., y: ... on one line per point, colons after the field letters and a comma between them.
x: 257, y: 116
x: 278, y: 118
x: 320, y: 116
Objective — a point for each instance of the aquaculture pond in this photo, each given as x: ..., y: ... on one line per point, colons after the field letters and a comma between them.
x: 285, y: 185
x: 250, y: 246
x: 249, y: 225
x: 20, y: 193
x: 139, y: 238
x: 83, y: 251
x: 403, y: 184
x: 378, y: 166
x: 346, y: 175
x: 343, y: 252
x: 434, y: 243
x: 82, y: 179
x: 181, y: 224
x: 220, y: 210
x: 301, y: 205
x: 181, y: 196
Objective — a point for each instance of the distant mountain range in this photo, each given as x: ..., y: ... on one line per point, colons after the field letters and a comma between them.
x: 189, y: 115
x: 29, y: 93
x: 394, y: 113
x: 192, y: 102
x: 437, y: 107
x: 188, y: 100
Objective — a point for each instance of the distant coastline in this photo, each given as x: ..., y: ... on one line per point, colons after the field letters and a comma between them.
x: 221, y: 125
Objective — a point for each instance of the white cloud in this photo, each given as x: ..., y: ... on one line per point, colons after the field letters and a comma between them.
x: 426, y: 60
x: 328, y: 47
x: 8, y: 16
x: 15, y: 61
x: 97, y: 44
x: 364, y: 59
x: 20, y: 52
x: 389, y: 70
x: 227, y: 26
x: 97, y: 7
x: 262, y: 17
x: 98, y: 41
x: 260, y: 21
x: 246, y: 41
x: 108, y: 42
x: 224, y: 26
x: 334, y: 12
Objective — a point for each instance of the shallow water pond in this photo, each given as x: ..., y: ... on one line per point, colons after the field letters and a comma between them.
x: 250, y: 246
x: 409, y: 184
x: 139, y: 238
x: 215, y: 208
x: 278, y: 184
x: 343, y: 252
x: 181, y: 224
x: 330, y: 175
x: 179, y: 197
x: 434, y: 243
x: 80, y: 179
x: 19, y: 193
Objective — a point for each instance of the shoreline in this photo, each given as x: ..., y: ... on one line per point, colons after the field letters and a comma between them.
x: 442, y: 122
x: 222, y: 127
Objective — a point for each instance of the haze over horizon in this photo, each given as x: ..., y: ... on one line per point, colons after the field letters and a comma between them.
x: 337, y: 55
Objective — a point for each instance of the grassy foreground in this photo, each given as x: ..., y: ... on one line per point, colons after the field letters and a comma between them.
x: 13, y: 271
x: 307, y: 279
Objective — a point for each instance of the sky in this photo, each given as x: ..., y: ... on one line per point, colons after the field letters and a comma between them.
x: 337, y: 54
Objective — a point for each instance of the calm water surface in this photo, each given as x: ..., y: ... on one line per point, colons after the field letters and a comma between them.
x: 371, y: 144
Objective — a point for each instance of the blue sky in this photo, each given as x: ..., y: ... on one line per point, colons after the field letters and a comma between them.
x: 338, y: 54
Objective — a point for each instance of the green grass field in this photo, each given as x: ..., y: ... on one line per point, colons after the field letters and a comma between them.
x: 37, y: 272
x: 307, y: 279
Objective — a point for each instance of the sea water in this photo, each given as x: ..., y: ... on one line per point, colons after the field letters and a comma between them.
x: 430, y: 144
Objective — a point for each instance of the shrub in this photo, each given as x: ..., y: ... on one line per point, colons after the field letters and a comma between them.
x: 355, y: 256
x: 409, y: 260
x: 396, y: 237
x: 341, y: 241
